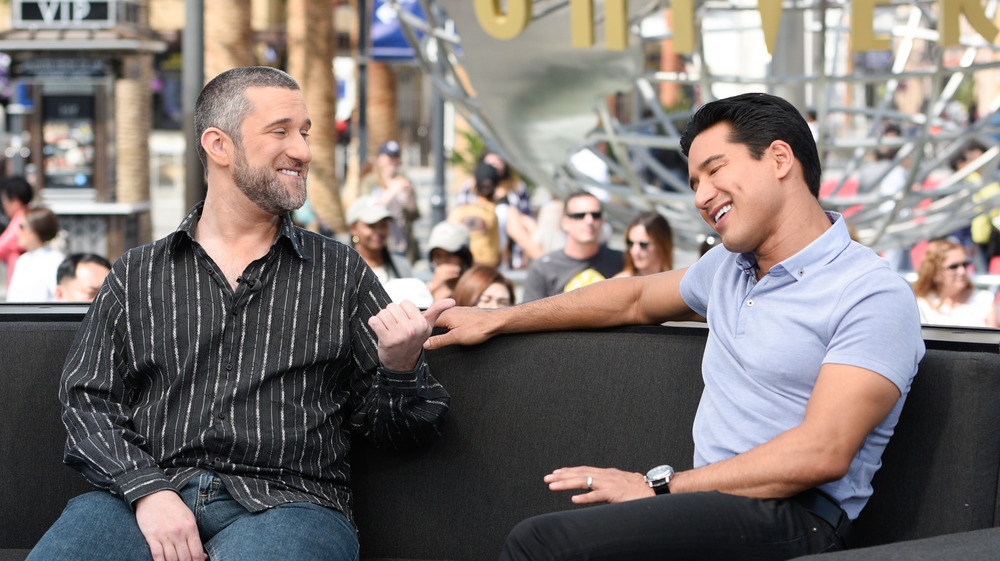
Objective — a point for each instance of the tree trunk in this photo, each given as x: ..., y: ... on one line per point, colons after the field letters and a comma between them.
x: 228, y: 36
x: 133, y: 122
x: 311, y: 48
x: 383, y: 124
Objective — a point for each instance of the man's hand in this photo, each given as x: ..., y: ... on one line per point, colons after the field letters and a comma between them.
x: 443, y: 274
x: 608, y: 485
x: 401, y: 330
x: 465, y: 327
x: 400, y: 189
x: 169, y: 527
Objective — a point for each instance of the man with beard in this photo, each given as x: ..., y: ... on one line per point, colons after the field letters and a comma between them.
x: 211, y: 393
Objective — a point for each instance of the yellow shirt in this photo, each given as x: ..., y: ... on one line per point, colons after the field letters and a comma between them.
x: 484, y: 230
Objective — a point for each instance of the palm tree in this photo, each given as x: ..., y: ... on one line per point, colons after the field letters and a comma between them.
x: 380, y: 103
x: 383, y: 123
x: 133, y: 115
x: 228, y: 36
x: 311, y: 48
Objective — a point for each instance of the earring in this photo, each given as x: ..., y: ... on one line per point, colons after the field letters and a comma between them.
x: 355, y: 239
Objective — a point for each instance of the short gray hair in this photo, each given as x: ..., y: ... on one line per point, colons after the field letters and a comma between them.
x: 223, y: 103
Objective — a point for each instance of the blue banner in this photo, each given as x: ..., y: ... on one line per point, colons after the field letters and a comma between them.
x: 388, y: 40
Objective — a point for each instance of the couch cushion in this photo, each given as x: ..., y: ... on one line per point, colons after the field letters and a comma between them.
x: 31, y: 359
x: 619, y: 398
x: 979, y: 545
x: 939, y: 472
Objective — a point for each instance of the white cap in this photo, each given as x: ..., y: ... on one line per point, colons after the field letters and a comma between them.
x: 449, y: 236
x: 368, y: 210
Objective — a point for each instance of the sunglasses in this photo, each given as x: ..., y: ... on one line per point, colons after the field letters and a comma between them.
x: 642, y: 245
x: 957, y: 266
x: 596, y: 215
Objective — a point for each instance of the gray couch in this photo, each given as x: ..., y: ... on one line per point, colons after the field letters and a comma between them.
x: 523, y: 405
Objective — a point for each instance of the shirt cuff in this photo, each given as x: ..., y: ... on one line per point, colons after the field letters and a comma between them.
x: 405, y: 382
x: 135, y: 485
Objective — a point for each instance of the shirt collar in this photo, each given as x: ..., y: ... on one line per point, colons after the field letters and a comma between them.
x: 815, y: 255
x: 286, y: 231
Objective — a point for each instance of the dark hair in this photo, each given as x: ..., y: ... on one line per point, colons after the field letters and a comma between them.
x: 961, y: 158
x: 888, y: 152
x: 67, y: 269
x: 756, y: 120
x: 658, y: 230
x: 486, y: 179
x: 505, y: 175
x: 463, y: 253
x: 223, y: 103
x: 475, y: 281
x: 577, y: 195
x: 17, y: 188
x: 43, y: 222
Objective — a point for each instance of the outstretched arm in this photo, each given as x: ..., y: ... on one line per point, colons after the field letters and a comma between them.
x: 846, y: 405
x: 629, y: 301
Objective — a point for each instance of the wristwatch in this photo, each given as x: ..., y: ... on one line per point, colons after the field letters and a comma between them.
x: 659, y: 478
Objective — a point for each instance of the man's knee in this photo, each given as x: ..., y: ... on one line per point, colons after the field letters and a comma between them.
x: 95, y: 523
x: 532, y: 539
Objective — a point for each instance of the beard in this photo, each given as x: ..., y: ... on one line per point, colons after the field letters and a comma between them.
x: 265, y: 189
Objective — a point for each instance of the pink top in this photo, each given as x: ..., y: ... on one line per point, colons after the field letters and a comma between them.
x: 10, y: 250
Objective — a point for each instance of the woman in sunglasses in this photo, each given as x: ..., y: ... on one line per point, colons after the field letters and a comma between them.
x: 649, y: 246
x: 945, y: 295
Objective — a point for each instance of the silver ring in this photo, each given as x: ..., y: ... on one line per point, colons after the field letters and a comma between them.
x: 590, y: 483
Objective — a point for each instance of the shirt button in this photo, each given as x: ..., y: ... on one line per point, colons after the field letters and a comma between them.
x: 229, y: 367
x: 802, y: 272
x: 222, y: 416
x: 750, y: 303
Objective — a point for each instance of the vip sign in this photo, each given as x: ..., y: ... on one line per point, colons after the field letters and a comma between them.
x: 510, y: 22
x: 73, y: 14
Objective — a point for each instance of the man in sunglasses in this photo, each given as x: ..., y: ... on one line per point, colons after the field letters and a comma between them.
x: 584, y: 259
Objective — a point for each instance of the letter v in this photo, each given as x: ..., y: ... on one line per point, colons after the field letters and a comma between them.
x: 49, y: 9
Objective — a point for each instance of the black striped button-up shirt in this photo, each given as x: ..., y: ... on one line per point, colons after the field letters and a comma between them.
x: 173, y: 373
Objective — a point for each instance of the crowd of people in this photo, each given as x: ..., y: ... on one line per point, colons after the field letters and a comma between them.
x: 471, y: 243
x: 493, y: 229
x: 37, y: 268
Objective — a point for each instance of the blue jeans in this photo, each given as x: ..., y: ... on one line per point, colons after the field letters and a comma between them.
x: 99, y: 525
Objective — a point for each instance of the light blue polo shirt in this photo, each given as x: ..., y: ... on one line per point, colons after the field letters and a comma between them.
x: 835, y: 301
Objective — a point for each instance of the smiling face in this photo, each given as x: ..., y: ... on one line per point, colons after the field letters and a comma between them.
x: 645, y: 255
x: 583, y: 220
x: 737, y: 195
x: 952, y: 277
x: 371, y: 237
x: 272, y: 160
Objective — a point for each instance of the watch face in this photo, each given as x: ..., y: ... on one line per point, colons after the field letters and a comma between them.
x: 659, y: 472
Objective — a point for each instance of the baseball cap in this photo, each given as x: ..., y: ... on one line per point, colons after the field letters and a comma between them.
x: 448, y: 236
x: 486, y: 173
x: 389, y: 148
x: 368, y: 210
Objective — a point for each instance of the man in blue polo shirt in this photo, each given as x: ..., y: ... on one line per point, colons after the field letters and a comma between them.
x: 812, y: 346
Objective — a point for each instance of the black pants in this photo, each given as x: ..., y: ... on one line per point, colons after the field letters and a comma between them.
x: 696, y: 526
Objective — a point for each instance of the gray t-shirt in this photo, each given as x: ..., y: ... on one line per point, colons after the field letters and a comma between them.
x: 556, y: 272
